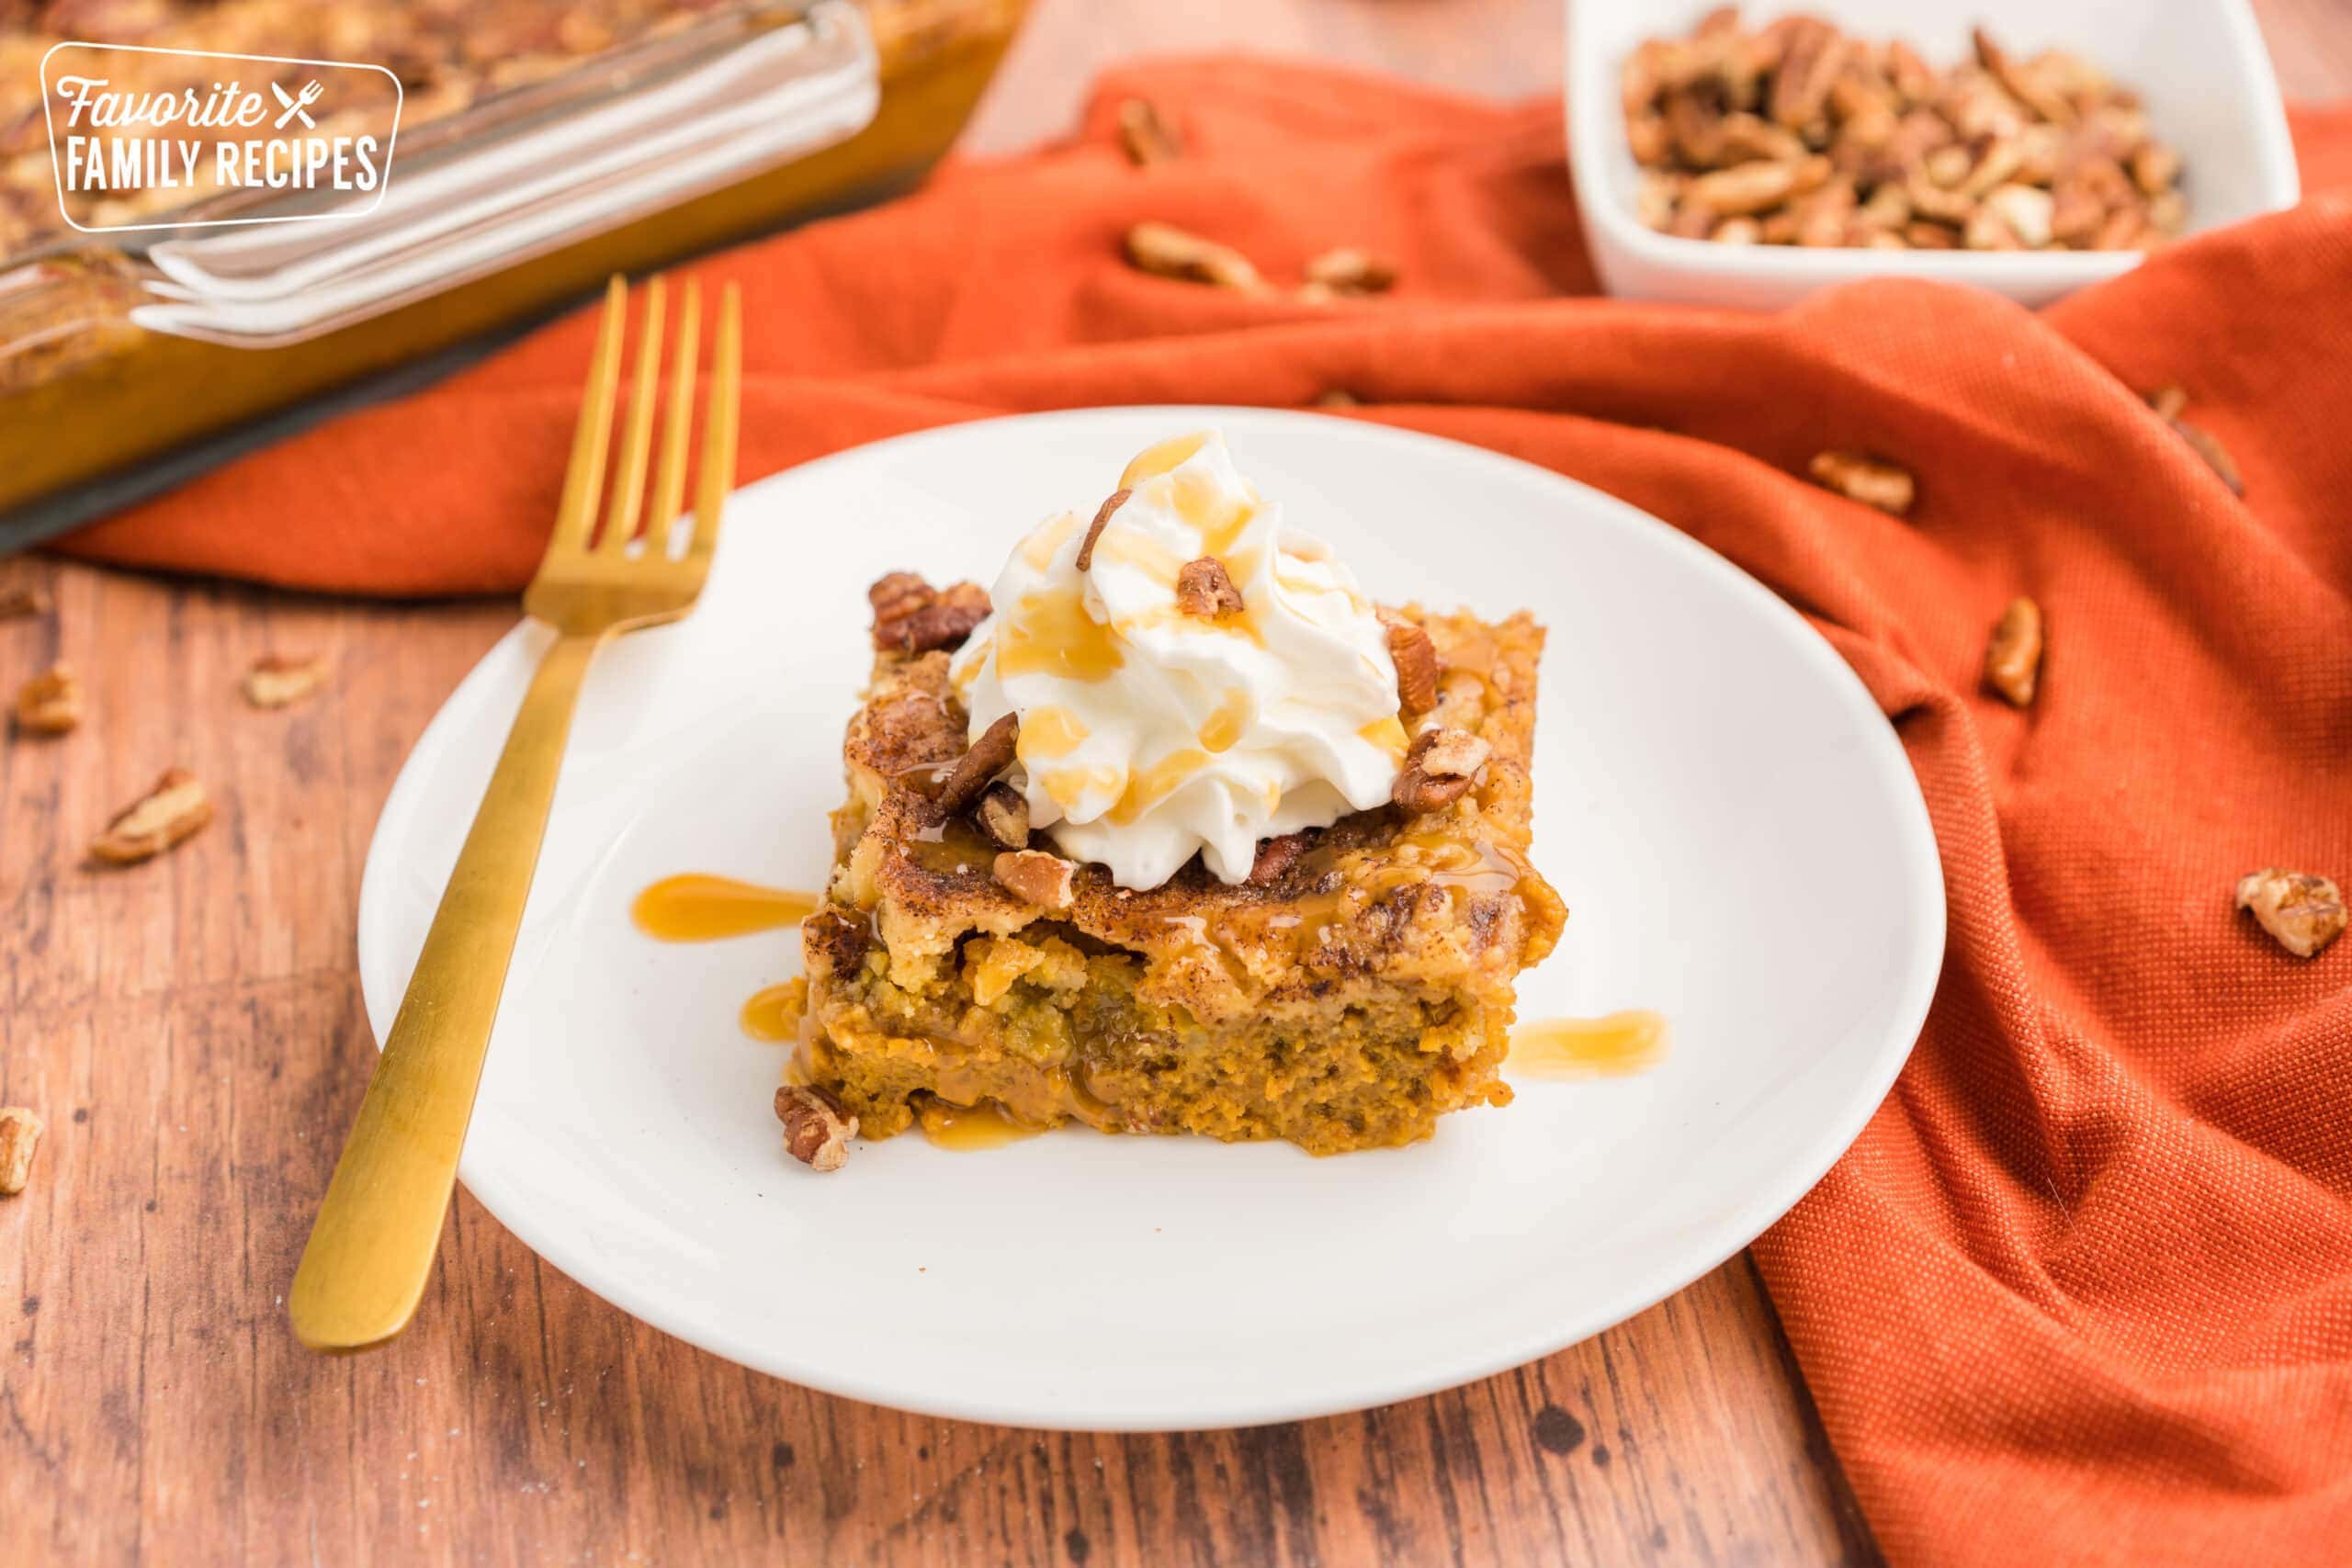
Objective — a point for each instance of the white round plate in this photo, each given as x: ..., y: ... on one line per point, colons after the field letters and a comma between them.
x: 1729, y: 817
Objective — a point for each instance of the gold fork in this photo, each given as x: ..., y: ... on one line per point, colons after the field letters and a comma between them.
x: 372, y: 1245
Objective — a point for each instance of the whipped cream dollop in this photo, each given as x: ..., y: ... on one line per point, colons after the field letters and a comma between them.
x: 1149, y: 733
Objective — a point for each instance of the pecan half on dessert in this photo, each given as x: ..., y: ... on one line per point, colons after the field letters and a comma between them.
x: 988, y: 756
x: 1036, y: 877
x: 1439, y: 769
x: 1417, y: 666
x: 912, y: 616
x: 1205, y: 590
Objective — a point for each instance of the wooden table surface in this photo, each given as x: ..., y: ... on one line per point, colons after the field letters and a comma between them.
x: 192, y: 1031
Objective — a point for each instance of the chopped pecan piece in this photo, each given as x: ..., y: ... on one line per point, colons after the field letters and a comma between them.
x: 816, y: 1129
x: 1003, y: 816
x: 278, y: 680
x: 986, y: 757
x: 1351, y: 271
x: 2155, y: 169
x: 1656, y: 198
x: 1914, y: 82
x: 913, y: 616
x: 49, y: 704
x: 2124, y: 229
x: 1745, y: 138
x: 1873, y: 481
x: 2169, y: 401
x: 2023, y: 82
x: 1205, y: 590
x: 1452, y: 753
x: 1439, y: 768
x: 2013, y: 658
x: 168, y: 812
x: 1417, y: 666
x: 2304, y: 912
x: 1166, y: 251
x: 1809, y: 65
x: 1036, y: 877
x: 1145, y: 135
x: 17, y: 600
x: 1095, y: 529
x: 1645, y: 135
x: 19, y: 1136
x: 898, y: 593
x: 1745, y: 188
x: 1277, y: 855
x: 2024, y: 212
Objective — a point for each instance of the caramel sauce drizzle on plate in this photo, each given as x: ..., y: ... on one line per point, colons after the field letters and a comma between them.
x: 700, y: 906
x: 772, y: 1013
x: 1611, y: 1046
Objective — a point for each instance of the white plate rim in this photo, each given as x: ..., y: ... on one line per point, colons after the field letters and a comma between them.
x: 1919, y: 875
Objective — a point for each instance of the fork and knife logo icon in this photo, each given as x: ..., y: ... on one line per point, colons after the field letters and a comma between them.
x: 297, y: 107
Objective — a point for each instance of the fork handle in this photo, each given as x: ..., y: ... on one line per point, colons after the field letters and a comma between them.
x: 371, y: 1247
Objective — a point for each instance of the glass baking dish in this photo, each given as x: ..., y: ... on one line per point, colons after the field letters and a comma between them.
x: 132, y: 358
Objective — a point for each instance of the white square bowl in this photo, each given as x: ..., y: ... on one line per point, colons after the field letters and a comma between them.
x: 2199, y: 66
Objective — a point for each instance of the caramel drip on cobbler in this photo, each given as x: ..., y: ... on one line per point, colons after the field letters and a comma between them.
x: 1053, y: 635
x: 772, y: 1013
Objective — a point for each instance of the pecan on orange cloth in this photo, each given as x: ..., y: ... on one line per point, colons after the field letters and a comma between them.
x: 2083, y: 1290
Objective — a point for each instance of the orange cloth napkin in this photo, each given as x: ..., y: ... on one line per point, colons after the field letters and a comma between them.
x: 2083, y: 1290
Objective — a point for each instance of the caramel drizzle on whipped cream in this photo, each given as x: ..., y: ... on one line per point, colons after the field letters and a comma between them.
x: 1150, y: 730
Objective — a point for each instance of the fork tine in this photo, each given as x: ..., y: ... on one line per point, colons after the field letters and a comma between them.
x: 586, y: 475
x: 628, y: 478
x: 717, y: 475
x: 670, y: 480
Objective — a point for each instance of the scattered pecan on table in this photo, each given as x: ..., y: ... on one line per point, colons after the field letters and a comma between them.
x: 2303, y: 912
x: 49, y: 704
x: 19, y: 1136
x: 282, y: 680
x: 2013, y: 656
x: 1873, y: 481
x: 173, y: 809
